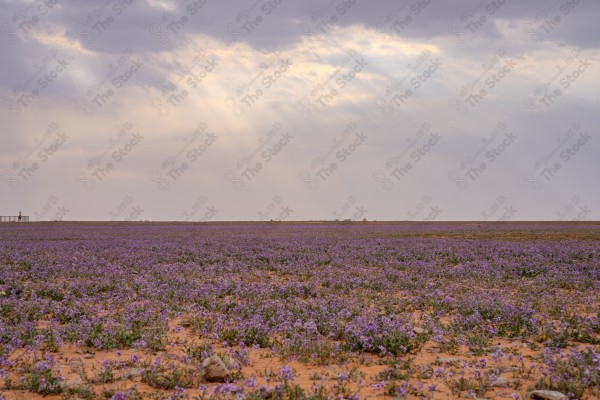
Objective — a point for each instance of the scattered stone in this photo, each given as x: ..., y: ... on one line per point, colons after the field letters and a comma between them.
x: 426, y: 373
x: 77, y: 362
x: 72, y: 383
x: 501, y: 382
x: 215, y: 369
x: 518, y: 343
x: 548, y: 395
x: 133, y: 373
x: 472, y: 396
x: 418, y: 330
x: 88, y: 355
x: 264, y: 393
x: 449, y: 360
x: 231, y: 363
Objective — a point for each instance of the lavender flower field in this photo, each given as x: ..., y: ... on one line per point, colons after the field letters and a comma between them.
x: 299, y: 310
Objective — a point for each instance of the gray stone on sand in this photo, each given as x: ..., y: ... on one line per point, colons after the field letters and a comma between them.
x: 72, y: 383
x: 215, y: 369
x: 548, y: 395
x: 75, y: 362
x: 449, y: 360
x: 133, y: 373
x: 501, y: 382
x: 231, y: 363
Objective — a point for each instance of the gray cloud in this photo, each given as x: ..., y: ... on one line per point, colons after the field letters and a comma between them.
x: 378, y: 110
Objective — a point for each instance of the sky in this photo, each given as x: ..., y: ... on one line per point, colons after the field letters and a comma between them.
x: 205, y: 110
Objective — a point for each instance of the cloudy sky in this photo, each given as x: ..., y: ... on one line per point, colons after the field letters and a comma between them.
x: 286, y: 109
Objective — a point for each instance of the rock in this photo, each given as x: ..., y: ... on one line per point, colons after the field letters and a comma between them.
x: 171, y: 356
x: 449, y: 360
x: 215, y: 369
x: 72, y: 383
x: 133, y: 373
x: 76, y: 362
x: 231, y: 363
x: 548, y: 395
x: 501, y: 382
x: 426, y: 373
x: 88, y: 355
x: 472, y: 396
x: 264, y: 393
x: 418, y: 330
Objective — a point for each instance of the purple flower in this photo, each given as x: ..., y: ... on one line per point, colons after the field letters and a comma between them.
x: 286, y: 373
x: 227, y: 388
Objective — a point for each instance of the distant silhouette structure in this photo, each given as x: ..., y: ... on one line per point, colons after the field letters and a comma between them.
x: 14, y: 218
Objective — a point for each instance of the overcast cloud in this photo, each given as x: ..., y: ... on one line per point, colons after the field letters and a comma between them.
x: 281, y: 109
